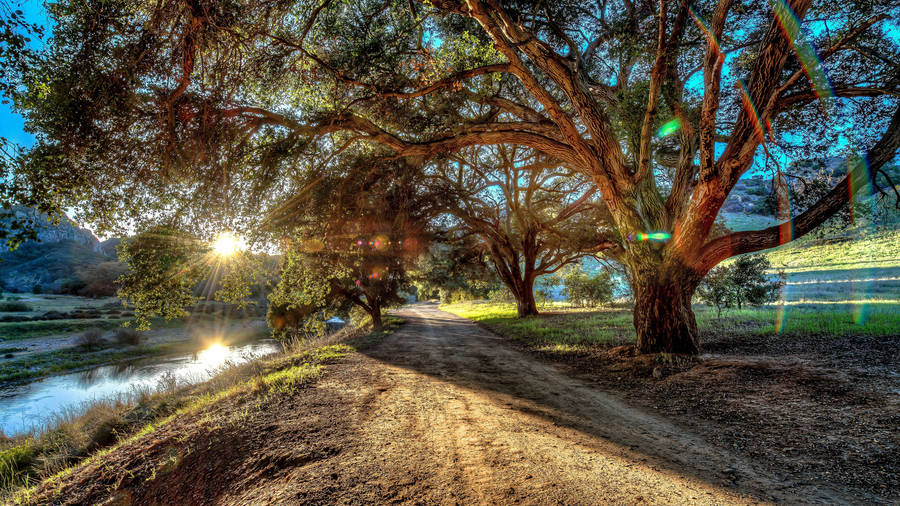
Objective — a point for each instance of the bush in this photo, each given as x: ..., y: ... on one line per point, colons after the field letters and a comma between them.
x: 545, y: 289
x: 128, y: 337
x: 91, y: 339
x: 587, y: 291
x: 743, y: 282
x: 14, y: 307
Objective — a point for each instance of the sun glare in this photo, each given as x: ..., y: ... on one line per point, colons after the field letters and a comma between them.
x: 227, y: 244
x: 214, y: 355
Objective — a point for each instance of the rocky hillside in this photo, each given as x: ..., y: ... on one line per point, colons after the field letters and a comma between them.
x: 58, y: 258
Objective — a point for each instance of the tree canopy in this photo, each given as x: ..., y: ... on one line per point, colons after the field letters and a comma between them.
x: 215, y: 110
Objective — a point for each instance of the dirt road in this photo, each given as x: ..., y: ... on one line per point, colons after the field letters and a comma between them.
x: 442, y: 412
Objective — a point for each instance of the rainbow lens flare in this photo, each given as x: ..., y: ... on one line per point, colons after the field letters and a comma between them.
x: 652, y: 236
x: 669, y: 128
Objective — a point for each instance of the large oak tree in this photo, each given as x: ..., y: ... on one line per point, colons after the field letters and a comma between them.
x: 207, y: 106
x: 531, y: 216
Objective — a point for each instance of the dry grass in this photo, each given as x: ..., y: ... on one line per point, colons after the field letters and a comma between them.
x: 80, y: 434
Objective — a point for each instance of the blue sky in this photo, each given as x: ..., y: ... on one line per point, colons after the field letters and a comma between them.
x: 11, y: 124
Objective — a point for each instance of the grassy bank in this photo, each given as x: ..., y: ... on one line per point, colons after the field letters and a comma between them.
x: 562, y: 328
x: 84, y: 435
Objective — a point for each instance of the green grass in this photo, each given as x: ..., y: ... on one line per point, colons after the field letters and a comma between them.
x: 876, y: 250
x: 13, y: 331
x: 572, y: 329
x: 38, y: 365
x: 75, y: 434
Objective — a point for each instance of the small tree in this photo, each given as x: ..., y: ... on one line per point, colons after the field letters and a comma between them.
x: 743, y: 282
x: 716, y: 290
x: 90, y: 340
x: 587, y: 291
x: 354, y: 237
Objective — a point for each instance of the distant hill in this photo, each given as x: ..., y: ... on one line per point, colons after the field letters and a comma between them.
x: 748, y: 206
x: 60, y: 258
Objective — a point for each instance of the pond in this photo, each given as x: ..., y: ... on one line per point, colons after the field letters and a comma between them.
x: 23, y: 407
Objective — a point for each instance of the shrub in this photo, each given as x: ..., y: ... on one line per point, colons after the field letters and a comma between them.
x: 128, y: 337
x: 14, y: 307
x: 545, y: 289
x: 584, y: 290
x: 743, y: 282
x: 91, y: 339
x: 37, y: 289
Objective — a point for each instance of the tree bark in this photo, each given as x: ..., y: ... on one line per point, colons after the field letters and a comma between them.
x: 377, y: 323
x: 525, y: 304
x: 663, y: 318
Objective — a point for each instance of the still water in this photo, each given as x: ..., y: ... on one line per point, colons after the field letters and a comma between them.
x: 32, y: 405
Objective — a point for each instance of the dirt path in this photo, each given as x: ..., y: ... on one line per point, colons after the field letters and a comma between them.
x: 460, y: 414
x: 443, y: 412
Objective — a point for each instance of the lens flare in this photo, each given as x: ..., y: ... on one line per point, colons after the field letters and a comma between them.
x: 652, y: 236
x: 669, y: 128
x: 713, y: 42
x: 806, y: 54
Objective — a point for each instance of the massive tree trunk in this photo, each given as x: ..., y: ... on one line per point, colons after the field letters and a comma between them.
x: 375, y: 314
x: 663, y: 318
x: 525, y: 304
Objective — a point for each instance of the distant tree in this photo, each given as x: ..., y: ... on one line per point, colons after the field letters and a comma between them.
x: 545, y: 289
x: 751, y: 281
x: 352, y: 240
x: 582, y: 289
x: 745, y: 281
x: 531, y: 215
x: 716, y: 289
x: 453, y: 268
x: 100, y: 280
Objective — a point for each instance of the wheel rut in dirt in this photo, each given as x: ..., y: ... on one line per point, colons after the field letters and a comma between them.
x: 460, y: 404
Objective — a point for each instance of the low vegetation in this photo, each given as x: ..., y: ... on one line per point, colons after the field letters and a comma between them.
x: 37, y: 365
x: 87, y: 433
x: 566, y: 329
x: 14, y: 307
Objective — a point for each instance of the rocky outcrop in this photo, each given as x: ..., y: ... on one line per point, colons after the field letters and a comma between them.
x: 60, y: 250
x: 51, y: 230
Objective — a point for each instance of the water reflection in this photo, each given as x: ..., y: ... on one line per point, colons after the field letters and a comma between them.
x: 33, y: 405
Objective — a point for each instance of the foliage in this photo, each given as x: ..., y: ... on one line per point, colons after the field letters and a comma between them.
x: 353, y: 241
x: 90, y: 339
x: 453, y: 269
x: 545, y: 289
x: 164, y: 265
x: 745, y: 281
x: 100, y: 280
x: 14, y: 307
x: 584, y: 290
x: 222, y: 112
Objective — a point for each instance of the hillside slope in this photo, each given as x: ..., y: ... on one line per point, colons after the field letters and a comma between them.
x: 57, y: 255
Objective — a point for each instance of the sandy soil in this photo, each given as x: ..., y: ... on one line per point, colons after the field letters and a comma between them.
x: 441, y: 411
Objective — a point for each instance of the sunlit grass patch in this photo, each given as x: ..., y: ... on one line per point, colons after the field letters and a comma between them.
x: 559, y: 325
x: 572, y: 330
x: 875, y: 250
